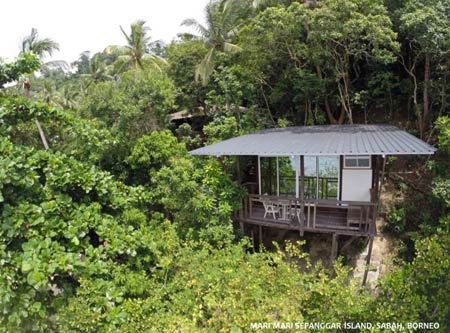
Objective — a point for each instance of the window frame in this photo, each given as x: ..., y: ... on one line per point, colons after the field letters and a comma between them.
x: 358, y: 158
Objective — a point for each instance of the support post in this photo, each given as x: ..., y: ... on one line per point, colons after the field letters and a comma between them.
x: 383, y: 169
x: 260, y: 238
x: 376, y: 180
x: 253, y: 238
x: 238, y: 171
x: 302, y: 189
x: 369, y: 256
x: 334, y: 247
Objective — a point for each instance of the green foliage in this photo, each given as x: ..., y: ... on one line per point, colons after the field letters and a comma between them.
x: 54, y: 213
x: 199, y: 198
x: 151, y: 153
x: 397, y: 220
x: 443, y: 125
x: 133, y: 106
x: 183, y: 58
x: 427, y: 24
x: 26, y: 63
x: 232, y: 88
x: 259, y: 287
x: 307, y: 54
x: 81, y: 251
x: 221, y: 128
x: 81, y: 139
x: 186, y: 135
x: 136, y: 104
x: 136, y: 54
x: 419, y: 291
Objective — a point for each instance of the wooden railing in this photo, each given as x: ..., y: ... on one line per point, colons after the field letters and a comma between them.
x: 341, y: 216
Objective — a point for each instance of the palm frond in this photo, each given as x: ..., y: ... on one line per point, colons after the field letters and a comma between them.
x: 195, y: 25
x: 117, y: 50
x: 128, y: 38
x: 231, y: 48
x: 40, y: 47
x: 155, y: 61
x: 64, y: 65
x: 122, y: 64
x: 205, y: 68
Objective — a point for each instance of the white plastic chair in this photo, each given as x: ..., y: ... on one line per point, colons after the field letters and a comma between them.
x: 270, y: 208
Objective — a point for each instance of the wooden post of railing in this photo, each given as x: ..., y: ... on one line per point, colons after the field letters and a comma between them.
x: 315, y: 214
x: 309, y: 215
x: 368, y: 215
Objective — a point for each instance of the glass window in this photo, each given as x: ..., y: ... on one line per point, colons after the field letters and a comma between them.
x: 328, y: 177
x: 310, y: 177
x: 268, y: 175
x: 321, y: 177
x: 287, y: 166
x: 363, y: 162
x: 359, y: 161
x: 351, y: 162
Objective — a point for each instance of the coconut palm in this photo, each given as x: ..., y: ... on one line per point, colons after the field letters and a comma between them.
x: 92, y: 68
x: 42, y: 48
x: 137, y: 51
x: 222, y: 23
x: 68, y: 97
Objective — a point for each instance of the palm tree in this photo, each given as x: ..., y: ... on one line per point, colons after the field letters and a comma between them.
x: 222, y: 24
x: 68, y: 97
x: 40, y: 47
x: 92, y: 68
x: 137, y: 51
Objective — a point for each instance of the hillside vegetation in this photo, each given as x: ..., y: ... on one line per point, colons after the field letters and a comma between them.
x: 116, y: 228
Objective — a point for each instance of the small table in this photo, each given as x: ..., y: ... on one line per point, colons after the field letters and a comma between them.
x: 284, y: 209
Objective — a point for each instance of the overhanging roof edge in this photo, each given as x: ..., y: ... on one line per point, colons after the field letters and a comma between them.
x: 322, y: 141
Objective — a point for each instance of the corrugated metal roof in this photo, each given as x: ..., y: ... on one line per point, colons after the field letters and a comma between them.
x: 322, y: 140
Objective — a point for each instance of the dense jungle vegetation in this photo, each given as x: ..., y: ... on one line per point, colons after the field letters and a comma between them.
x: 116, y: 228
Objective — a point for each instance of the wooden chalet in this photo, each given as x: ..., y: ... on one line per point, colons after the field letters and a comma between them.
x: 320, y: 179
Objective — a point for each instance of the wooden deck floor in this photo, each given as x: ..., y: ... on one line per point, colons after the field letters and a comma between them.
x: 328, y: 220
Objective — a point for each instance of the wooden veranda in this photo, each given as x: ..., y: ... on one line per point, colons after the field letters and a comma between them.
x: 321, y: 216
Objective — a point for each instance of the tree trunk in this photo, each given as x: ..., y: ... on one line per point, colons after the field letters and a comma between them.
x: 42, y: 135
x: 331, y: 118
x: 27, y: 86
x: 426, y: 105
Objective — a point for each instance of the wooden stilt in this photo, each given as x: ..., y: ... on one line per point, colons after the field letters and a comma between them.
x: 383, y: 169
x: 302, y: 191
x: 253, y: 238
x: 280, y: 235
x: 348, y: 243
x: 376, y: 179
x: 334, y: 247
x: 260, y: 238
x: 369, y: 255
